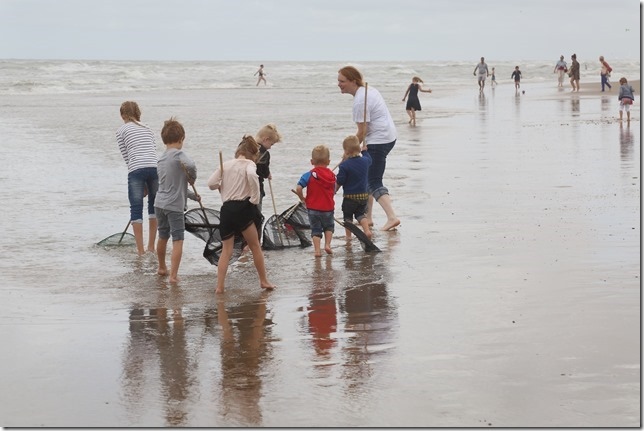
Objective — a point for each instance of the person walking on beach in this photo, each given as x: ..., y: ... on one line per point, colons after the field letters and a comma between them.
x: 413, y: 103
x: 239, y: 188
x: 353, y: 177
x: 493, y: 78
x: 176, y: 170
x: 139, y: 150
x: 266, y: 137
x: 516, y: 75
x: 605, y: 73
x: 376, y: 128
x: 320, y: 205
x: 483, y: 73
x: 626, y: 98
x: 260, y: 72
x: 560, y: 68
x: 574, y: 73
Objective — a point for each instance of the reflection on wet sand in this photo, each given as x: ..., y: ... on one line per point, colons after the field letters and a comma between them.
x: 626, y: 143
x: 244, y: 353
x: 158, y: 339
x: 165, y: 352
x: 369, y: 314
x: 322, y: 310
x: 350, y: 316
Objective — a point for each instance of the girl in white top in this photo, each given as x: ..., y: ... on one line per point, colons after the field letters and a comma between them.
x: 239, y: 188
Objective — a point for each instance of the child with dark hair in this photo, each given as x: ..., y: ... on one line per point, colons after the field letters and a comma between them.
x: 176, y: 170
x: 626, y: 98
x: 239, y: 215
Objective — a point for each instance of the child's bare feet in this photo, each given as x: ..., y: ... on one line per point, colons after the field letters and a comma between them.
x: 267, y: 286
x: 317, y: 253
x: 174, y: 279
x: 391, y: 224
x: 162, y: 271
x: 219, y: 290
x: 328, y: 250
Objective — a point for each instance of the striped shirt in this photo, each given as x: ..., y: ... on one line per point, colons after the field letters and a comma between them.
x: 137, y: 146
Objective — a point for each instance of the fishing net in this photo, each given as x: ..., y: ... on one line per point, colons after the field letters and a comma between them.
x: 204, y: 224
x: 289, y: 229
x: 366, y: 244
x: 118, y: 239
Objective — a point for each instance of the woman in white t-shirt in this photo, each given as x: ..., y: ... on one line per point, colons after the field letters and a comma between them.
x: 378, y: 131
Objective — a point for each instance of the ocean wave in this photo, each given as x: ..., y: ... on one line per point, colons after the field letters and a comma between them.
x: 62, y: 77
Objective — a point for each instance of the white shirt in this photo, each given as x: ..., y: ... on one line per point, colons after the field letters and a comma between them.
x: 380, y: 125
x: 240, y: 181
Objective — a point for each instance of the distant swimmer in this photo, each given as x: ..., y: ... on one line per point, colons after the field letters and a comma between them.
x: 261, y: 74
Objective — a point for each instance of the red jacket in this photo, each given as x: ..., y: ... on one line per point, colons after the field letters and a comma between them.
x: 320, y: 184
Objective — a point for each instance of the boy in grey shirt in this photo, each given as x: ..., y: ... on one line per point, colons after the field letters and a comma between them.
x: 175, y: 170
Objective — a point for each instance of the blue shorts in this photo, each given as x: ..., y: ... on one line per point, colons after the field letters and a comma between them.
x: 137, y: 182
x: 321, y: 221
x: 170, y: 222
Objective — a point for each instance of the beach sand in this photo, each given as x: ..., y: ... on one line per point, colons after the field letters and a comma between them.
x: 595, y: 88
x: 508, y: 297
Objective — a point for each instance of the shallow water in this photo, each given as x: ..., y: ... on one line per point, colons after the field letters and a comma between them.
x: 509, y: 296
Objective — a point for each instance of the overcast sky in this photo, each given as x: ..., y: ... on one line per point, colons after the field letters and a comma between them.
x: 310, y: 30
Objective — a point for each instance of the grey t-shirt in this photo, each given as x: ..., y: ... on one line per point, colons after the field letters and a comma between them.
x: 173, y: 182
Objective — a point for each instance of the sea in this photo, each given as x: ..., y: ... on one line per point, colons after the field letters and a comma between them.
x: 508, y: 297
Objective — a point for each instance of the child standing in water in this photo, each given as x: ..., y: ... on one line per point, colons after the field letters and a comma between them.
x: 176, y: 170
x: 139, y: 150
x: 266, y: 137
x: 239, y: 188
x: 353, y: 177
x: 626, y: 98
x: 516, y: 75
x: 320, y: 185
x: 413, y: 103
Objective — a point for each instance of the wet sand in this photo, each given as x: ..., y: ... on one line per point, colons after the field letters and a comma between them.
x: 508, y: 297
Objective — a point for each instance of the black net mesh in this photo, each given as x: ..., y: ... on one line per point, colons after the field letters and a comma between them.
x: 289, y: 229
x: 118, y: 239
x: 366, y: 244
x: 204, y: 224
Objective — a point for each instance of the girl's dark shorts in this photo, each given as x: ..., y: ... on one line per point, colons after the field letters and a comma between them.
x: 236, y: 216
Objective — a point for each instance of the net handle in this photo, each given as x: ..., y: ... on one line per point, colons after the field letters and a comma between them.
x: 279, y: 225
x: 124, y: 231
x: 364, y: 118
x: 205, y: 216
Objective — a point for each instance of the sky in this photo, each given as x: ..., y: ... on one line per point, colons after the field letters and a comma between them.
x: 319, y: 30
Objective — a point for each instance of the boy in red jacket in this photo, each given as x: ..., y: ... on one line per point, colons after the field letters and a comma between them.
x: 320, y: 184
